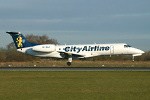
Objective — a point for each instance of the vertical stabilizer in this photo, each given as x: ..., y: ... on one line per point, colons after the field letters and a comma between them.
x: 19, y: 40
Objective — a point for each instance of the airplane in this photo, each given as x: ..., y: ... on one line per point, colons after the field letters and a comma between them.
x: 71, y: 52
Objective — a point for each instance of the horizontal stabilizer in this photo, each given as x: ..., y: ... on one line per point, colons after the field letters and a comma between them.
x: 9, y: 32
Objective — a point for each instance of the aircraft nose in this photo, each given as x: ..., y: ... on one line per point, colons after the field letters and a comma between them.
x: 139, y: 51
x: 142, y: 51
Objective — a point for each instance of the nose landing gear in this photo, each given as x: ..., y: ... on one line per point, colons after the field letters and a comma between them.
x: 132, y: 58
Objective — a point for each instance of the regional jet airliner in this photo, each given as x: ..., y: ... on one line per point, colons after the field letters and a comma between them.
x: 72, y: 51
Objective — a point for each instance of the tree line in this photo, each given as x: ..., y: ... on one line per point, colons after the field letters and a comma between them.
x: 10, y: 53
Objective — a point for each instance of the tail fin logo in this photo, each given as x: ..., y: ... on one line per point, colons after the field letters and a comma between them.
x: 19, y: 41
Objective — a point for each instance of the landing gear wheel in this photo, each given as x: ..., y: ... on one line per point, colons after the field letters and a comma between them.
x: 68, y: 63
x: 132, y: 58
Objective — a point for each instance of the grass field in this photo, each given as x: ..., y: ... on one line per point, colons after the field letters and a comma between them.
x: 77, y: 63
x: 78, y: 85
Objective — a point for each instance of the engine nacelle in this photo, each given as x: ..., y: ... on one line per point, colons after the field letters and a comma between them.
x: 44, y: 48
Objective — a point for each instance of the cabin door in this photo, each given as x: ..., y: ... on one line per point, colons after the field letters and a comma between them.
x: 111, y: 49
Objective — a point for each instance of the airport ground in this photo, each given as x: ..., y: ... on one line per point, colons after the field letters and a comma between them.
x: 74, y: 85
x: 76, y: 63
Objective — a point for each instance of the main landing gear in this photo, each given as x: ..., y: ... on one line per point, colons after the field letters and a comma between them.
x: 69, y: 63
x: 69, y: 60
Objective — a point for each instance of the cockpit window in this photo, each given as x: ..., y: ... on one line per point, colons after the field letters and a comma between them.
x: 126, y: 46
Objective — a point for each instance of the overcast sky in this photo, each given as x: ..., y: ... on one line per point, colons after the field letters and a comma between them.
x: 78, y: 21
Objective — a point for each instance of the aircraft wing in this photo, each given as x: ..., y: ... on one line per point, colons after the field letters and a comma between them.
x: 73, y: 54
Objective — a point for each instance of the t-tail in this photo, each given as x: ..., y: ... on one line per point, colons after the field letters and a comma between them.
x: 19, y: 40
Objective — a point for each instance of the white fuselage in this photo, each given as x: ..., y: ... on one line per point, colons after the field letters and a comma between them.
x: 81, y: 51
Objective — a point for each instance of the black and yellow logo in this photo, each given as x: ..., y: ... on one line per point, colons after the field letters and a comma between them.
x: 19, y: 41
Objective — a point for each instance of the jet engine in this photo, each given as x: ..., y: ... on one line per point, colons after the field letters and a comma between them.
x: 44, y: 48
